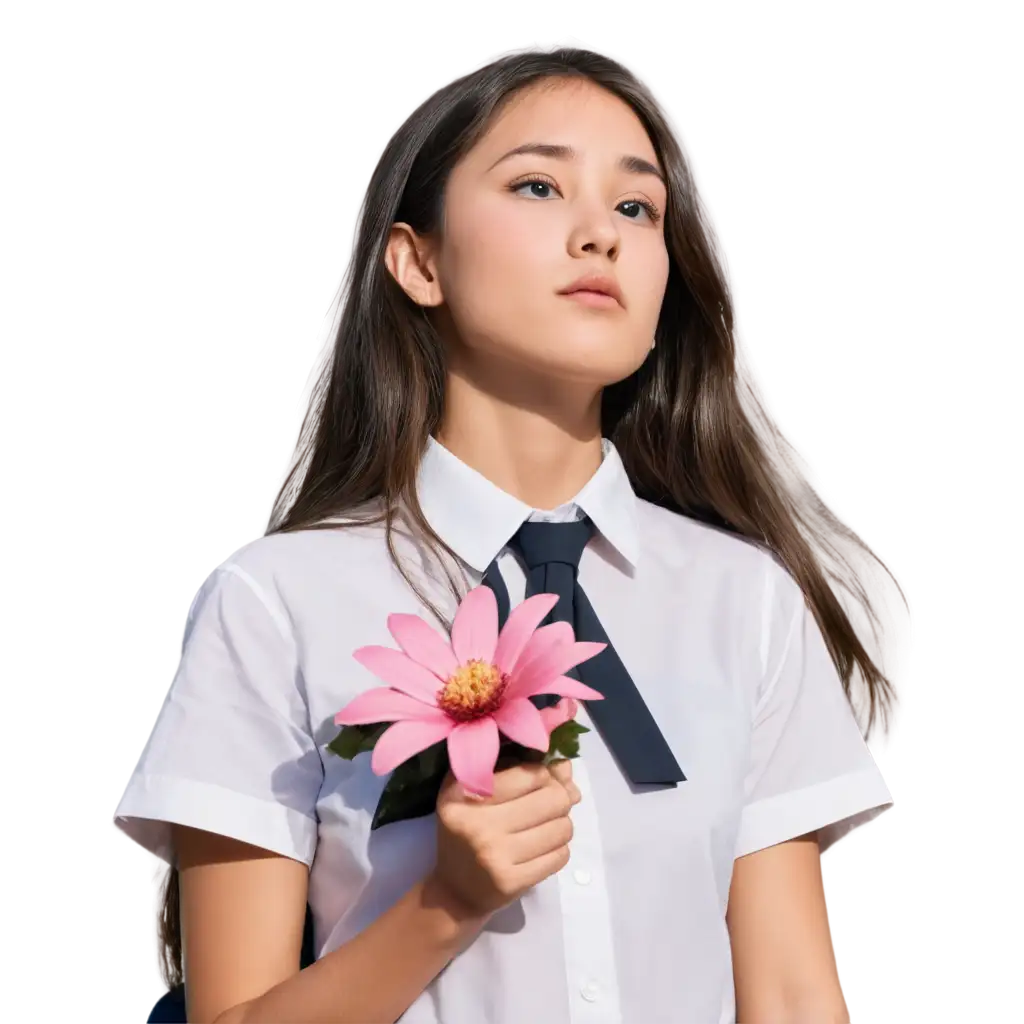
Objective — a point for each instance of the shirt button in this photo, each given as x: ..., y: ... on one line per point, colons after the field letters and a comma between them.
x: 590, y: 991
x: 582, y: 876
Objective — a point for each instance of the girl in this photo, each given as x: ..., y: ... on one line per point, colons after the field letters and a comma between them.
x: 536, y: 331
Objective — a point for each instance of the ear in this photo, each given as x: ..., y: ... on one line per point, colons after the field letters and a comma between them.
x: 410, y: 260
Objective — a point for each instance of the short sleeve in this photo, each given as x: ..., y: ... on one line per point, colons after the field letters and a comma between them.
x: 231, y: 751
x: 810, y: 768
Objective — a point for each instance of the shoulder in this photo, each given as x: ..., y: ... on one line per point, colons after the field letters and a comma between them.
x: 287, y: 571
x: 718, y: 562
x: 299, y: 553
x: 681, y: 540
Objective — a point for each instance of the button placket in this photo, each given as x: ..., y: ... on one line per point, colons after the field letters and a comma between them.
x: 586, y: 914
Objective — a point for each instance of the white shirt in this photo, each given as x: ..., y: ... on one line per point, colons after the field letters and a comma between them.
x: 716, y: 636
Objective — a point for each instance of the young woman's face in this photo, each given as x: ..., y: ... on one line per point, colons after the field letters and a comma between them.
x: 520, y: 228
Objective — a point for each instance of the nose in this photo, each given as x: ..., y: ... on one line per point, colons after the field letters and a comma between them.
x: 594, y: 233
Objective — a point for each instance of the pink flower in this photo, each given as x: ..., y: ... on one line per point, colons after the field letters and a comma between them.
x: 559, y: 714
x: 467, y: 690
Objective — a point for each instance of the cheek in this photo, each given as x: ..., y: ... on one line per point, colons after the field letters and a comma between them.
x: 501, y: 265
x: 495, y: 258
x: 648, y: 276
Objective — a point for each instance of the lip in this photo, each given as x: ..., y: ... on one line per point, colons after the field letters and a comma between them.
x: 594, y: 290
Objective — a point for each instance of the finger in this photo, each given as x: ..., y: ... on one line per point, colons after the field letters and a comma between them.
x: 561, y: 770
x: 518, y: 780
x: 542, y: 867
x: 534, y: 808
x: 453, y: 791
x: 540, y: 840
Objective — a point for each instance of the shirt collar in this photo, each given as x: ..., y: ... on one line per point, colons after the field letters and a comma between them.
x: 476, y: 518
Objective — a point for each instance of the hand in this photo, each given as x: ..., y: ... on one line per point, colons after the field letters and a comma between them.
x: 492, y: 849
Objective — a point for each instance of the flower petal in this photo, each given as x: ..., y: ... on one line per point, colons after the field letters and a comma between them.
x: 520, y: 626
x: 404, y: 740
x: 424, y: 645
x: 400, y: 671
x: 559, y: 714
x: 473, y: 753
x: 550, y: 664
x: 520, y: 721
x: 383, y: 704
x: 475, y: 628
x: 544, y: 639
x: 564, y: 686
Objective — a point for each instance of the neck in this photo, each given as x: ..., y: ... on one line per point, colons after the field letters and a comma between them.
x: 542, y: 453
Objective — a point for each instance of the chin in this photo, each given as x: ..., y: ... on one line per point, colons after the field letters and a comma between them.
x: 595, y: 371
x: 598, y: 364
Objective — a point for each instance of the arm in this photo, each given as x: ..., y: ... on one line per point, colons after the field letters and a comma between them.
x: 242, y: 912
x: 810, y: 779
x: 783, y: 963
x: 243, y: 903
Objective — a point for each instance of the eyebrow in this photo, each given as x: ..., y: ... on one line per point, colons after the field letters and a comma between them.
x: 632, y: 164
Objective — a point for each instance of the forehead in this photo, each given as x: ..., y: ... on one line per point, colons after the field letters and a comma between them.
x: 573, y: 112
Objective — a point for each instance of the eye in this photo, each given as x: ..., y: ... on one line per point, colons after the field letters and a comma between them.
x: 536, y: 182
x: 642, y: 204
x: 634, y: 209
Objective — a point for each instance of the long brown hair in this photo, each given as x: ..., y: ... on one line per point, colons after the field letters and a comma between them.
x: 689, y: 425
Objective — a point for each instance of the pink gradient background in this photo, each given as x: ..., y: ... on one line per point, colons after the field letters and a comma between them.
x: 173, y: 190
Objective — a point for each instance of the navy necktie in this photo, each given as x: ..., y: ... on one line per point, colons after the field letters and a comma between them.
x: 551, y: 555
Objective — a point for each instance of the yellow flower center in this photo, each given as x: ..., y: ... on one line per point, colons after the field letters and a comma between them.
x: 472, y: 691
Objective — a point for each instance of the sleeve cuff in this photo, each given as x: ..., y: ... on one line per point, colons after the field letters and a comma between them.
x: 833, y: 808
x: 152, y: 802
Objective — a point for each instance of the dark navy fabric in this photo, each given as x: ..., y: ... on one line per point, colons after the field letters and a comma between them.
x: 550, y: 553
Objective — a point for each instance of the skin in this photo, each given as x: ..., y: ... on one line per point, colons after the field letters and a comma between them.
x: 242, y: 909
x: 527, y: 367
x: 784, y: 966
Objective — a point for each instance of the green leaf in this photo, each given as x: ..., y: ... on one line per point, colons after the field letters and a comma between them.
x: 434, y: 760
x: 412, y: 789
x: 357, y: 739
x: 565, y: 740
x: 510, y: 753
